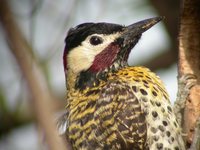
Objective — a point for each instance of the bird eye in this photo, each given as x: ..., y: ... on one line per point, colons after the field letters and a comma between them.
x: 95, y: 40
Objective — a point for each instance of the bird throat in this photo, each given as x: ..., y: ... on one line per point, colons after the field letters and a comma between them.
x: 89, y: 78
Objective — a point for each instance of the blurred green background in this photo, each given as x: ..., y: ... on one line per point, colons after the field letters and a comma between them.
x: 45, y: 23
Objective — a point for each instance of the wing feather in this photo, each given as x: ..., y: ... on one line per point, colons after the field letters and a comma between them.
x: 121, y: 120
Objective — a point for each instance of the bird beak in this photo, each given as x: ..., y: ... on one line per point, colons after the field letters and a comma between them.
x: 138, y: 28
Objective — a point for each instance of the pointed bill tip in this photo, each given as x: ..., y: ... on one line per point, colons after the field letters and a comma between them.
x: 140, y: 27
x: 146, y: 24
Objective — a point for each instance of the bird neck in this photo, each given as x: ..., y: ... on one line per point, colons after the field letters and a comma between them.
x: 90, y: 79
x: 70, y: 77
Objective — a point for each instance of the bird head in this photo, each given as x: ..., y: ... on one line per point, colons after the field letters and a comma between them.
x: 101, y: 47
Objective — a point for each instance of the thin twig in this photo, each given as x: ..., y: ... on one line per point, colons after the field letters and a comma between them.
x: 41, y: 96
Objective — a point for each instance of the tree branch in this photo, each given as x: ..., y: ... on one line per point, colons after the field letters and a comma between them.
x: 189, y: 62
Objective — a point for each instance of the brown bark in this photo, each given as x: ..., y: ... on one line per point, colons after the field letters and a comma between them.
x: 189, y: 62
x: 41, y: 96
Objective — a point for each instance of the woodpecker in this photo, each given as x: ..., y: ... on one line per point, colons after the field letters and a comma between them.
x: 111, y: 105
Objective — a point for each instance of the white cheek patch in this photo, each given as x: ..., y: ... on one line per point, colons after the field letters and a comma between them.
x: 82, y: 57
x: 78, y: 60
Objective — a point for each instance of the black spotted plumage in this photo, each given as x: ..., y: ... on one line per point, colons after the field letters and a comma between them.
x: 118, y: 103
x: 116, y: 107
